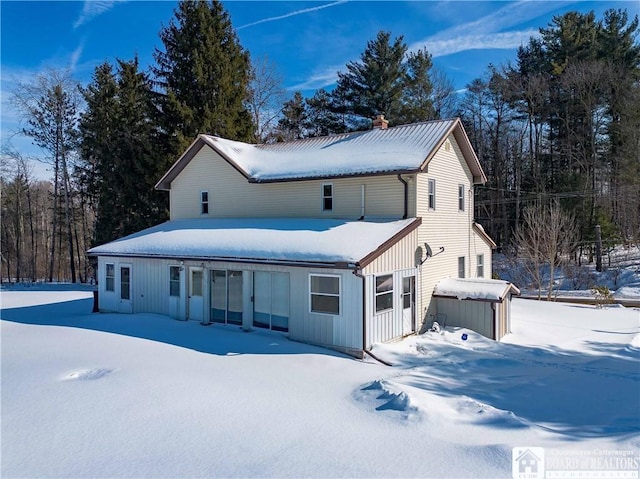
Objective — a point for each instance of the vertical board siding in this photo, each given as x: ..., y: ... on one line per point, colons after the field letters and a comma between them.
x: 231, y: 195
x: 150, y: 294
x: 474, y: 315
x: 387, y: 325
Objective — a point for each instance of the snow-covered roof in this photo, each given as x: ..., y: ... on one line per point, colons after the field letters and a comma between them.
x: 273, y: 240
x: 476, y: 288
x: 400, y: 149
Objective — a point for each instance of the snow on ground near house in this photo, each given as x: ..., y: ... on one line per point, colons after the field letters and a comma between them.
x: 105, y: 395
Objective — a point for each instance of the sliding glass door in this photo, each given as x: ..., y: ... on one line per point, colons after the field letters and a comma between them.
x: 271, y: 300
x: 226, y: 296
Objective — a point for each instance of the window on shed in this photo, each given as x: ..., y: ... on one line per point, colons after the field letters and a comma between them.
x: 327, y: 197
x: 174, y: 280
x: 204, y: 202
x: 480, y: 266
x: 324, y: 293
x: 384, y: 293
x: 461, y: 267
x: 432, y: 194
x: 110, y: 277
x: 460, y: 197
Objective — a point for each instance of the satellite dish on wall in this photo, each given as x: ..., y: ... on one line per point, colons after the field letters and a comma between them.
x: 429, y: 251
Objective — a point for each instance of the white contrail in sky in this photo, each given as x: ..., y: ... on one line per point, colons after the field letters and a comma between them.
x: 93, y: 8
x: 292, y: 14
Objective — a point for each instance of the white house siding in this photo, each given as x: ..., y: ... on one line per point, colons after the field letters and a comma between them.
x: 150, y: 293
x: 400, y: 261
x: 446, y: 225
x: 231, y: 195
x: 474, y: 315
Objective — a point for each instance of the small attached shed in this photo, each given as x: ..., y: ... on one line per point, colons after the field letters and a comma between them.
x: 481, y: 305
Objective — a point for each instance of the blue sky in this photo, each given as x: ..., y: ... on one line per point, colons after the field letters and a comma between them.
x: 307, y: 41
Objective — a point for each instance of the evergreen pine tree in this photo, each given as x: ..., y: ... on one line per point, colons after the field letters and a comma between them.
x: 374, y: 85
x: 203, y: 74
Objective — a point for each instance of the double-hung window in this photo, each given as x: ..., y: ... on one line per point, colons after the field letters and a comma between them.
x: 110, y: 277
x: 480, y: 266
x: 327, y: 197
x: 432, y: 193
x: 384, y: 293
x: 460, y: 197
x: 461, y: 267
x: 204, y: 202
x: 324, y: 291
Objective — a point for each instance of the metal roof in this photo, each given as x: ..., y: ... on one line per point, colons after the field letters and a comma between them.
x: 400, y: 149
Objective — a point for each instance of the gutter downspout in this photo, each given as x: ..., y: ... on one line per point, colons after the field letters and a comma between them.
x: 406, y: 196
x: 356, y: 272
x: 365, y: 350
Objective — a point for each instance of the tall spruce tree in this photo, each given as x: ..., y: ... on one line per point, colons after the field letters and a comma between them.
x: 374, y: 85
x: 417, y: 101
x: 121, y: 161
x: 203, y: 74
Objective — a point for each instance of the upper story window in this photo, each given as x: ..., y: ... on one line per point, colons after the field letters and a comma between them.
x: 204, y: 202
x: 460, y: 197
x: 324, y: 291
x: 384, y: 293
x: 432, y: 194
x: 327, y: 197
x: 461, y: 267
x: 110, y: 277
x: 480, y: 266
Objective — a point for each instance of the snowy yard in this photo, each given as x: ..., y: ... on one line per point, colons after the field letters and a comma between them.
x: 104, y: 395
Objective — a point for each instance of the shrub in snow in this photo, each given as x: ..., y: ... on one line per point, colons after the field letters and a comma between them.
x: 603, y: 296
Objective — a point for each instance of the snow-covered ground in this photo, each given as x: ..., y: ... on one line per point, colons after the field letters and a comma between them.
x: 620, y: 273
x: 105, y: 395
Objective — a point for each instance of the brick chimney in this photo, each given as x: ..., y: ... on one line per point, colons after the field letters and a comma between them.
x: 380, y: 122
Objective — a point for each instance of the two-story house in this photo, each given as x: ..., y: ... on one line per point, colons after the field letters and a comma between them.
x: 337, y: 241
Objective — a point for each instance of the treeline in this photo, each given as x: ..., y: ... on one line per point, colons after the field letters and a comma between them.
x: 561, y: 123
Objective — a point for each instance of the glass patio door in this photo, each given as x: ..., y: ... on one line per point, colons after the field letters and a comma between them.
x: 271, y: 300
x: 226, y: 296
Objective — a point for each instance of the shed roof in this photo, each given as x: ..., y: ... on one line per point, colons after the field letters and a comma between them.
x: 325, y: 242
x: 475, y: 289
x: 400, y: 149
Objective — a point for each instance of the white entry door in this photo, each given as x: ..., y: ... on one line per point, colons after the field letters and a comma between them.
x: 408, y: 305
x: 196, y: 294
x: 126, y: 304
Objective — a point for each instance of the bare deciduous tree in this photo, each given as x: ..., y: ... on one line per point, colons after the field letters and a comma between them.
x: 546, y: 237
x: 265, y: 97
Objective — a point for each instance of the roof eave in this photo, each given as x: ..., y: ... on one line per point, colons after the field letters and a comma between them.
x: 201, y: 140
x: 384, y: 247
x: 403, y: 171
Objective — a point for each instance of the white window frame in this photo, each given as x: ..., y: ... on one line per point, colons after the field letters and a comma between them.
x: 325, y: 197
x: 382, y: 293
x: 332, y: 295
x: 431, y: 193
x: 461, y: 198
x: 174, y: 281
x: 480, y: 266
x: 111, y: 289
x: 462, y: 267
x: 204, y: 203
